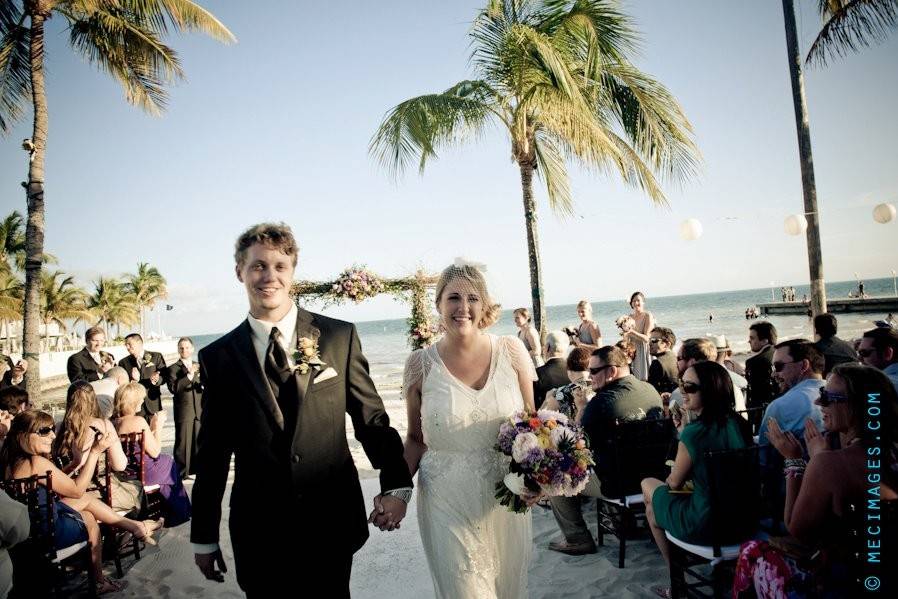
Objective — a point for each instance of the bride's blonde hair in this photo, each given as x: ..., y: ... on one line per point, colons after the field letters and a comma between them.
x: 475, y: 278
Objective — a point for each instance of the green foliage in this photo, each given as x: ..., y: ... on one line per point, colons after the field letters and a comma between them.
x: 849, y: 25
x: 62, y: 300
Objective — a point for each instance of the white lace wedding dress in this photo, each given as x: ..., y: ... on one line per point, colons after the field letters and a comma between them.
x: 475, y: 548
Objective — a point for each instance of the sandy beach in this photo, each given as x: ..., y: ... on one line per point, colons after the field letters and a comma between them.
x: 393, y: 564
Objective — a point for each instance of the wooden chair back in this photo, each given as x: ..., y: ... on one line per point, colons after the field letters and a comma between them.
x: 132, y: 444
x: 734, y: 479
x: 635, y: 450
x: 42, y: 512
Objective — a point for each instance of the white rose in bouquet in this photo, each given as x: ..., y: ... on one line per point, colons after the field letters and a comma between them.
x: 523, y: 443
x: 514, y: 482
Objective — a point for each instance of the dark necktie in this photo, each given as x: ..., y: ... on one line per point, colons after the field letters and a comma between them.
x: 277, y: 369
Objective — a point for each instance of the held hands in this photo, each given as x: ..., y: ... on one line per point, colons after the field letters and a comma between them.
x: 815, y: 441
x: 785, y: 443
x: 388, y: 512
x: 206, y: 562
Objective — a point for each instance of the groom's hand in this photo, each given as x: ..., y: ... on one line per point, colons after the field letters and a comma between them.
x: 206, y: 562
x: 388, y: 512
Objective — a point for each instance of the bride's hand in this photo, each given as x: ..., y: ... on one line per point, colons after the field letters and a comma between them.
x: 531, y: 498
x: 388, y: 512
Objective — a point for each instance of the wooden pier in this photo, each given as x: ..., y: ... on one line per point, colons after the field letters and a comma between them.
x: 883, y: 305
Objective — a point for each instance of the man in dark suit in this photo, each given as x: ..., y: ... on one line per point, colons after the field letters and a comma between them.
x: 759, y: 368
x: 186, y: 386
x: 147, y: 368
x: 91, y: 363
x: 835, y: 351
x: 277, y: 389
x: 553, y: 373
x: 12, y: 374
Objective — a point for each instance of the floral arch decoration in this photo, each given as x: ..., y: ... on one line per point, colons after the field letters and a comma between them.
x: 358, y: 283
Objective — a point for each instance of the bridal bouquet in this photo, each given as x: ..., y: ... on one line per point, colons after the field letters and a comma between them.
x: 625, y: 323
x: 549, y: 454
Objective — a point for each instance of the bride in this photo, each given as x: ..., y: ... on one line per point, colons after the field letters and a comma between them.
x: 458, y: 392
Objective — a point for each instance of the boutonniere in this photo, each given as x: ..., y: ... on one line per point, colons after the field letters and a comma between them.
x: 306, y: 355
x: 147, y: 358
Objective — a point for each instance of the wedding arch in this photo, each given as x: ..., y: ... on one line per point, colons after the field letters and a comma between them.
x: 358, y: 283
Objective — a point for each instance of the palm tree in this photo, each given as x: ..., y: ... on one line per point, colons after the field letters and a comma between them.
x: 849, y: 25
x: 121, y: 37
x: 111, y: 303
x: 11, y: 293
x: 148, y: 286
x: 12, y: 237
x: 556, y: 75
x: 61, y: 300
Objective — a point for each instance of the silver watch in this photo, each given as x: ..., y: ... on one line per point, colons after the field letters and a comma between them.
x: 403, y: 494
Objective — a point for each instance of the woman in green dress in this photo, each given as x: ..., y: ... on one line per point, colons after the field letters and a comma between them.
x: 708, y: 394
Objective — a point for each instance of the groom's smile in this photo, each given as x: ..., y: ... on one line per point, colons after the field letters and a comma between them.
x: 267, y: 275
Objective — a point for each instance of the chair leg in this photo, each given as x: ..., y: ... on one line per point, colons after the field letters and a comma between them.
x: 600, y: 537
x: 626, y: 521
x: 91, y: 576
x: 677, y: 576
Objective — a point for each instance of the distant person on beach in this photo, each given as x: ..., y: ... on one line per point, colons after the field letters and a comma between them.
x: 879, y: 349
x: 89, y: 364
x: 834, y: 350
x: 147, y: 368
x: 860, y: 290
x: 528, y: 334
x: 639, y: 335
x: 276, y: 393
x: 663, y: 374
x: 586, y: 333
x: 186, y: 387
x: 553, y: 373
x: 620, y: 397
x: 710, y: 319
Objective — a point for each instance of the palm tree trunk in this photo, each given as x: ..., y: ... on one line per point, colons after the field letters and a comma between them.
x: 536, y: 271
x: 34, y: 230
x: 808, y: 186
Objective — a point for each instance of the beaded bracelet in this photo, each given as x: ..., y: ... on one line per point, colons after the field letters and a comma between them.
x: 794, y: 471
x: 796, y: 462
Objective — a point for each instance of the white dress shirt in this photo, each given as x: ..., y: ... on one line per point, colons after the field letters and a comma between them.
x: 261, y: 331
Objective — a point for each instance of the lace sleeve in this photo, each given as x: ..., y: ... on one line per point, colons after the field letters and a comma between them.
x: 414, y: 372
x: 520, y: 357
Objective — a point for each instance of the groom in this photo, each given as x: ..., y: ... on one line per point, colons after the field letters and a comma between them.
x: 277, y: 389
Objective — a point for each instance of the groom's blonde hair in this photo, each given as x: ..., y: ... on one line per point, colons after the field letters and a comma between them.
x: 277, y: 236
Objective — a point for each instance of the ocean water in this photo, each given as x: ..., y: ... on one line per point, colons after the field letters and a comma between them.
x: 384, y: 342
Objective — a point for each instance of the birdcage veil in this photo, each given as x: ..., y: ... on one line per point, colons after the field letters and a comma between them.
x: 473, y: 276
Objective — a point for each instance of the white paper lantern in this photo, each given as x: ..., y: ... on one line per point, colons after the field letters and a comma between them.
x: 690, y: 229
x: 883, y: 213
x: 795, y: 224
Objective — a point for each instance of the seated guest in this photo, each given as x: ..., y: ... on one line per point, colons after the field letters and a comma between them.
x: 620, y: 396
x: 761, y: 387
x: 159, y: 468
x: 629, y: 349
x: 15, y: 374
x: 693, y: 351
x: 90, y: 363
x: 798, y: 370
x: 879, y: 348
x: 818, y: 490
x: 725, y: 359
x: 708, y: 394
x: 834, y: 350
x: 14, y: 400
x: 15, y: 526
x: 75, y: 437
x: 562, y: 398
x: 105, y: 389
x: 663, y: 372
x: 529, y: 335
x: 27, y: 452
x: 553, y: 373
x: 147, y: 368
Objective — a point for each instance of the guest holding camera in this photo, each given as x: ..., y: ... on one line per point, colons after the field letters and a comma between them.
x: 562, y: 399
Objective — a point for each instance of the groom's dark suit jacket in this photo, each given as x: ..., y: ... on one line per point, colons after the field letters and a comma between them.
x: 296, y: 488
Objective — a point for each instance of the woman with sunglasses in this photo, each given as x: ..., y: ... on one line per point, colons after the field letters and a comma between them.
x: 27, y: 452
x: 708, y: 395
x: 817, y: 491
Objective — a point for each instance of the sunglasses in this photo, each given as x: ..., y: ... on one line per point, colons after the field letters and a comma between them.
x: 599, y: 369
x: 689, y: 387
x: 865, y: 353
x: 827, y: 397
x: 778, y: 366
x: 44, y: 431
x: 653, y: 340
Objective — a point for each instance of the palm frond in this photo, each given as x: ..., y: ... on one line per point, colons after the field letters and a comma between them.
x: 416, y: 128
x: 553, y: 171
x: 130, y: 51
x: 183, y: 15
x: 15, y: 70
x: 850, y: 25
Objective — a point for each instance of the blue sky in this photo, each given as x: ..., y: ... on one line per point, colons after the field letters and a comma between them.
x: 276, y: 127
